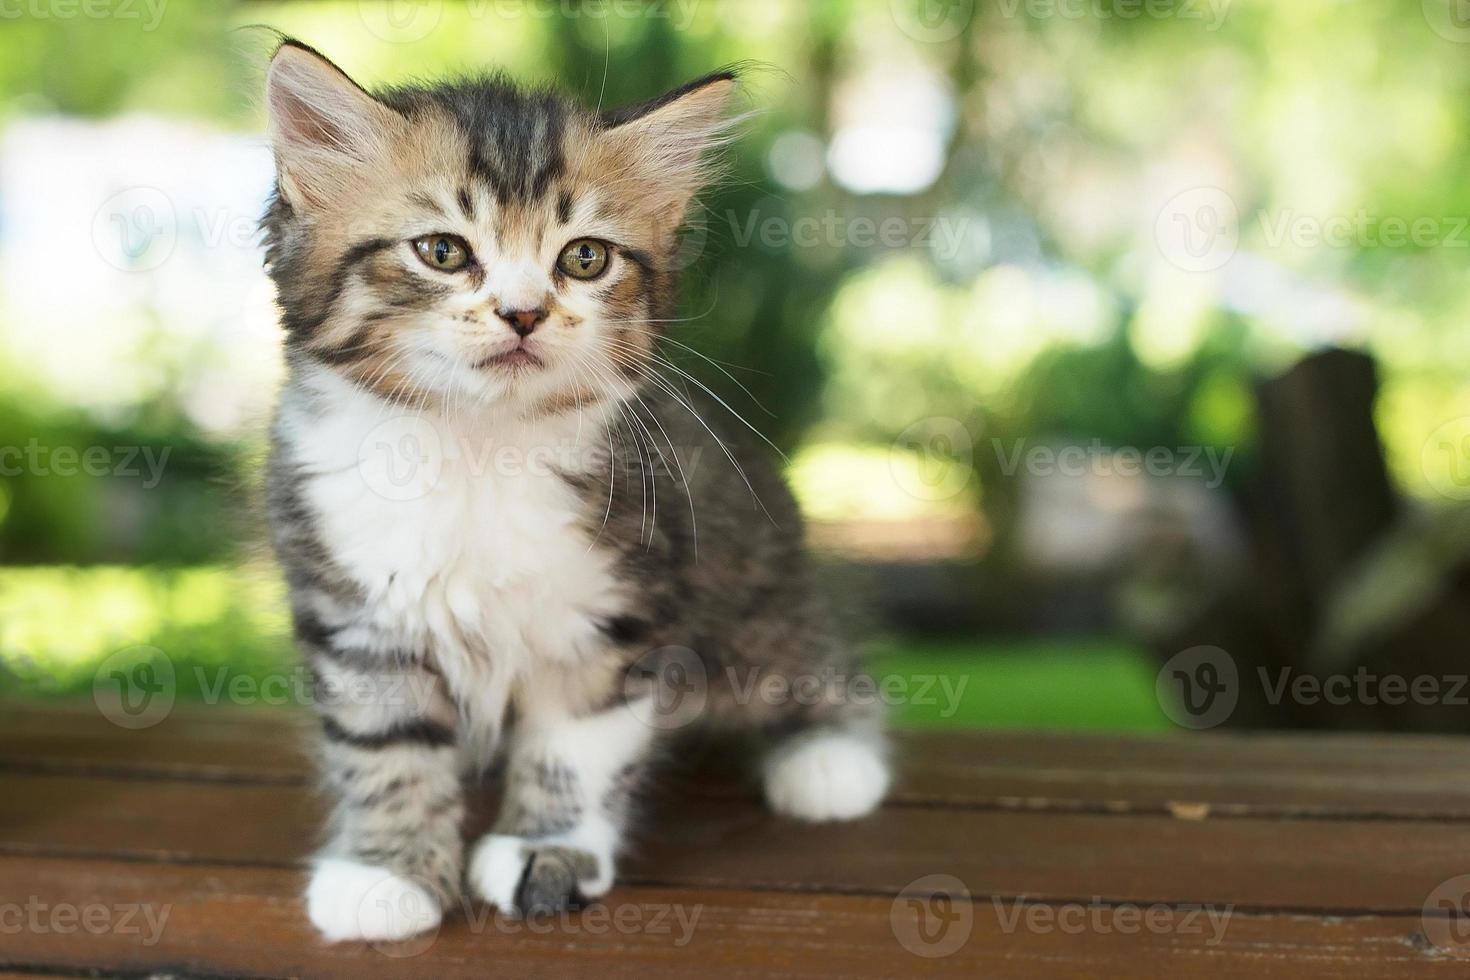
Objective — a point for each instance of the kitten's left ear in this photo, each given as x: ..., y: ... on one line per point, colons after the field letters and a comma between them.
x: 323, y: 126
x: 670, y: 139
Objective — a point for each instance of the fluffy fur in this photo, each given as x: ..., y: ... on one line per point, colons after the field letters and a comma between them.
x: 512, y: 546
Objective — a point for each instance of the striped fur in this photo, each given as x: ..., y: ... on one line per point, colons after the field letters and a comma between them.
x: 458, y: 604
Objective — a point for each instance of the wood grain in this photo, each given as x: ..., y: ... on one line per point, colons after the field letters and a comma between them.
x: 1256, y: 856
x: 1228, y: 774
x: 700, y: 842
x: 249, y: 922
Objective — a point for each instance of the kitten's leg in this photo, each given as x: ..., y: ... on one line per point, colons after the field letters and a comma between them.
x: 829, y: 762
x: 568, y: 789
x: 394, y: 859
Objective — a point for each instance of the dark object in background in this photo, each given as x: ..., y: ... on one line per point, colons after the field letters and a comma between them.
x: 1352, y: 609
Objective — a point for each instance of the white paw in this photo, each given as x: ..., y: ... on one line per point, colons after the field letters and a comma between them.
x: 495, y: 869
x: 826, y: 776
x: 559, y: 875
x: 347, y: 900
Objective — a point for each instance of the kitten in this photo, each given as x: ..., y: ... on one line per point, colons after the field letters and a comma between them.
x: 509, y: 534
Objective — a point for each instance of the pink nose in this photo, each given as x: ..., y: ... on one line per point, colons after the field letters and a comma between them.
x: 522, y: 321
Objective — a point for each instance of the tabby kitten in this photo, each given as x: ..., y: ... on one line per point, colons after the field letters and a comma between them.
x: 504, y: 520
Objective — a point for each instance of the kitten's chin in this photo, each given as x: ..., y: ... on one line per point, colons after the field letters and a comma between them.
x: 511, y: 378
x: 512, y: 362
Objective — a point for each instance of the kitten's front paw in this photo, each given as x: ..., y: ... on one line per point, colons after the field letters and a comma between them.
x: 526, y: 877
x: 826, y: 776
x: 347, y: 900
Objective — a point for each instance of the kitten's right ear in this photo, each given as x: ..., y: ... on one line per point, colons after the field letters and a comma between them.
x: 323, y: 127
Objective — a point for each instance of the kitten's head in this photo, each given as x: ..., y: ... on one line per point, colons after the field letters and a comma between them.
x: 471, y: 240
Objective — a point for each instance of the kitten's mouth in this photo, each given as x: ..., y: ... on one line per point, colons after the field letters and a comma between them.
x: 515, y: 359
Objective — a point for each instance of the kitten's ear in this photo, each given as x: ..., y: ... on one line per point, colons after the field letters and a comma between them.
x: 323, y: 126
x: 670, y: 139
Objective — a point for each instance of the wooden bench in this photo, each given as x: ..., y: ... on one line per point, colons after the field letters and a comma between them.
x: 998, y: 855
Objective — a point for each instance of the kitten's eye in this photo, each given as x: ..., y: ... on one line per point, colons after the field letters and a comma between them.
x: 447, y: 253
x: 584, y: 258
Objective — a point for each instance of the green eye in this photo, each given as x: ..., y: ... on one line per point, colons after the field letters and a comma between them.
x: 584, y: 258
x: 447, y: 253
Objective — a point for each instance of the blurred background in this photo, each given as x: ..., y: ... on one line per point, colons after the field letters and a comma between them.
x: 1118, y: 347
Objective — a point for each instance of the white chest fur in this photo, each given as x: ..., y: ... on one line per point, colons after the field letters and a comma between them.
x: 462, y: 534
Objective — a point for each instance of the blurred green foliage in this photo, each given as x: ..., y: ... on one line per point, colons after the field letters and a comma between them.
x: 225, y: 638
x: 153, y: 491
x: 1314, y: 108
x: 1056, y: 319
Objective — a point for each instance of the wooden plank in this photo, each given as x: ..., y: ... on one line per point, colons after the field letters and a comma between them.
x: 249, y: 922
x: 1407, y: 777
x: 698, y: 842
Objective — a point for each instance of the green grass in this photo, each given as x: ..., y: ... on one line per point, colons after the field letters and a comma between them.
x: 1079, y: 684
x: 220, y: 626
